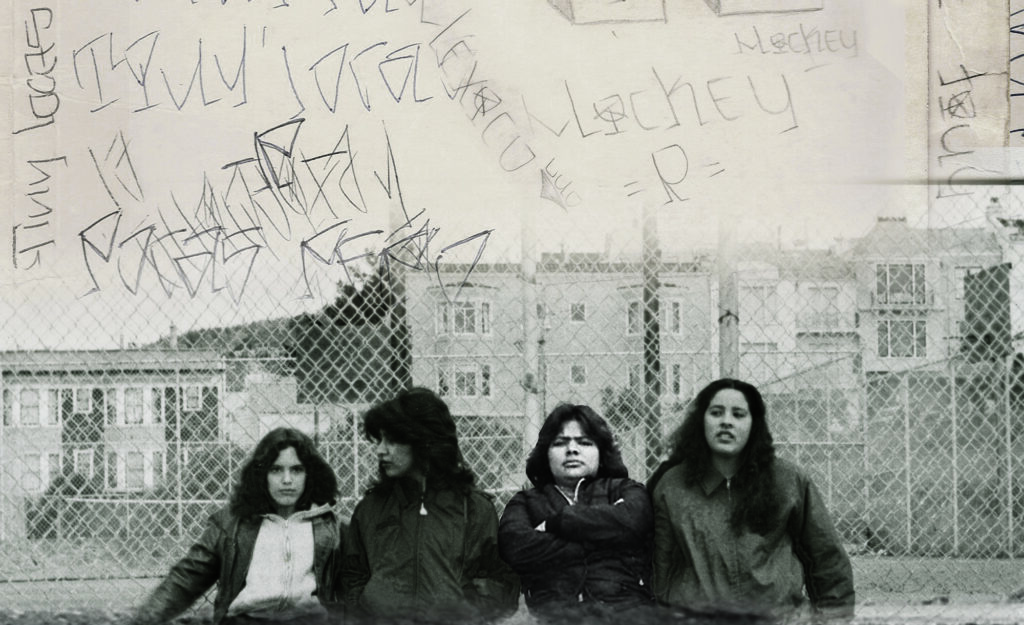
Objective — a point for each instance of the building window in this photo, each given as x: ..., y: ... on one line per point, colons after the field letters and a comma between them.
x: 900, y: 284
x: 134, y: 471
x: 442, y: 383
x: 112, y: 480
x: 578, y: 375
x: 133, y: 406
x: 822, y: 310
x: 544, y: 316
x: 8, y: 406
x: 675, y: 380
x: 53, y: 407
x: 464, y: 318
x: 110, y: 405
x: 442, y: 323
x: 674, y: 317
x: 193, y: 398
x: 52, y: 467
x: 82, y: 459
x: 158, y: 467
x: 757, y: 305
x: 32, y: 480
x: 902, y: 338
x: 82, y: 401
x: 465, y: 382
x: 634, y: 318
x: 578, y: 312
x: 29, y: 407
x: 636, y: 376
x: 960, y: 276
x: 485, y: 380
x: 158, y: 404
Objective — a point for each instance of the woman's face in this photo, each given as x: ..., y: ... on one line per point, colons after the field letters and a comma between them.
x: 573, y: 455
x: 395, y: 459
x: 727, y: 423
x: 286, y: 481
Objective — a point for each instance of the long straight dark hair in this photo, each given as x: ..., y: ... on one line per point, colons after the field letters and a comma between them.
x: 756, y: 506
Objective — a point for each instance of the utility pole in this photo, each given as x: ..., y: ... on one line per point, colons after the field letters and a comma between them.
x: 728, y: 300
x: 532, y: 381
x: 651, y: 259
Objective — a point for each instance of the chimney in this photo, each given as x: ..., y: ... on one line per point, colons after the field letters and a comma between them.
x: 173, y: 338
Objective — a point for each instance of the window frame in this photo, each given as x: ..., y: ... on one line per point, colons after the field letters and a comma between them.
x: 80, y: 405
x: 884, y: 288
x: 578, y: 309
x: 918, y: 338
x: 22, y: 421
x: 580, y: 380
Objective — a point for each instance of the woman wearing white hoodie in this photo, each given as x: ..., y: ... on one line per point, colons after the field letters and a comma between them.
x: 272, y: 551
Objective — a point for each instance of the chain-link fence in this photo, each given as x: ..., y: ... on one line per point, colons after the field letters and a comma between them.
x: 889, y: 365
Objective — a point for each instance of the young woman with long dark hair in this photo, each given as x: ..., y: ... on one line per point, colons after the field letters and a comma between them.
x: 422, y: 542
x: 272, y: 551
x: 738, y: 530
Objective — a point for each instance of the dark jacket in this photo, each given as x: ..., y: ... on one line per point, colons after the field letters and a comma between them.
x: 222, y: 555
x: 701, y: 563
x: 440, y: 565
x: 597, y: 550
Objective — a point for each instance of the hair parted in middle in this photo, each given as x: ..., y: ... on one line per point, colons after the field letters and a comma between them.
x: 538, y: 467
x: 419, y: 418
x: 251, y: 496
x: 754, y: 483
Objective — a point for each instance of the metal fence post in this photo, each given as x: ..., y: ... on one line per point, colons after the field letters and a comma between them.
x: 905, y: 401
x: 1008, y: 440
x: 954, y: 424
x: 531, y: 380
x: 728, y: 301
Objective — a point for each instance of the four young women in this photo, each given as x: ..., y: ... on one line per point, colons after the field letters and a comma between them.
x: 723, y: 527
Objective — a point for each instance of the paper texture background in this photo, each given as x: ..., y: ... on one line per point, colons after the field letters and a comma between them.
x: 138, y: 125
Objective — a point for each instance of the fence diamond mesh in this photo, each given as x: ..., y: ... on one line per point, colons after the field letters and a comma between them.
x: 889, y: 364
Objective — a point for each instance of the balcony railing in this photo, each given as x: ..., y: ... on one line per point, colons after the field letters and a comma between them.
x: 903, y: 300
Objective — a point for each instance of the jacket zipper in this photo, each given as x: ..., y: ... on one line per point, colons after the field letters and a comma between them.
x: 416, y: 541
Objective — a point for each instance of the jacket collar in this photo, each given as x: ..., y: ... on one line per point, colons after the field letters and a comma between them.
x: 711, y: 481
x: 303, y: 515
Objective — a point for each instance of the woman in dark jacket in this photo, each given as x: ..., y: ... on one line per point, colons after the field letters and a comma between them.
x: 422, y: 542
x: 737, y: 530
x: 581, y: 537
x: 272, y: 551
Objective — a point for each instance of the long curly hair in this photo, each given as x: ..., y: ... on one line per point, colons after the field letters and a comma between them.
x: 756, y: 505
x: 419, y: 418
x: 251, y: 497
x: 538, y: 467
